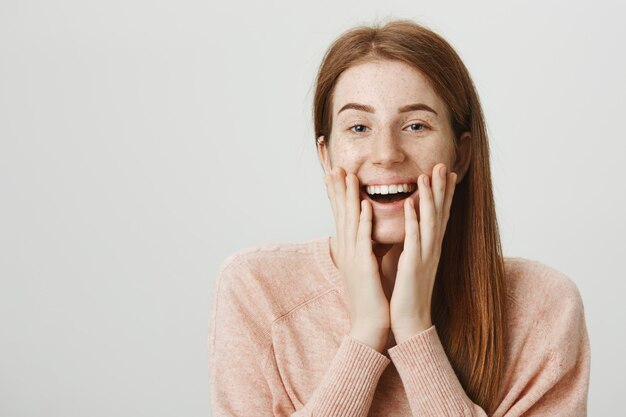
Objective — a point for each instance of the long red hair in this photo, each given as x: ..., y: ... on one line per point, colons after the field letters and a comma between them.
x: 469, y: 294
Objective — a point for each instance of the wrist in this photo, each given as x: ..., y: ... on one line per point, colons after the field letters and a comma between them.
x: 376, y: 338
x: 404, y: 332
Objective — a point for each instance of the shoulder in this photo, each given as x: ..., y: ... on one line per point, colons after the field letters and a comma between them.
x: 279, y: 253
x: 546, y: 298
x: 533, y: 283
x: 274, y: 278
x: 547, y: 353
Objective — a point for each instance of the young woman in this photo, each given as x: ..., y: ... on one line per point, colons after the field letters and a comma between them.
x: 411, y: 309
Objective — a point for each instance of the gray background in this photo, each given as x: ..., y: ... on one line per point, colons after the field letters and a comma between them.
x: 141, y: 142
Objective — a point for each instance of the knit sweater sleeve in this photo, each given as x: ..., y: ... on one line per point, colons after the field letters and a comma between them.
x: 550, y: 375
x: 244, y: 376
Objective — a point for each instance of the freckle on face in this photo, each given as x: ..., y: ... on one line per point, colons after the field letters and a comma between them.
x: 387, y: 86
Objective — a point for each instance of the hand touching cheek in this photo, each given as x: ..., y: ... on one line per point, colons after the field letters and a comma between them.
x: 410, y: 303
x: 357, y: 263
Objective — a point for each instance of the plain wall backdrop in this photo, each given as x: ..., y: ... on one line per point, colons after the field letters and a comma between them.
x: 142, y: 142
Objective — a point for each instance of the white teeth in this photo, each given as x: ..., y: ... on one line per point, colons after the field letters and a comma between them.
x: 390, y: 189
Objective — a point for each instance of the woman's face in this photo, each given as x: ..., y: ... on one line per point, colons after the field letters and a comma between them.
x: 389, y: 127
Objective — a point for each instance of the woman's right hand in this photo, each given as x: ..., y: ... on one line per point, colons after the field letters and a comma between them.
x: 356, y: 261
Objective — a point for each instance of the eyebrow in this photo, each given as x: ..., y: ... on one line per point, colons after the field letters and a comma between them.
x: 403, y: 109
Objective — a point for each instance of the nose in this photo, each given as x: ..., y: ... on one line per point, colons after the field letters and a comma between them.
x: 386, y: 150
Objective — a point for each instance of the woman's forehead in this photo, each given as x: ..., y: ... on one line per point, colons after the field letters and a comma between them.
x: 385, y: 86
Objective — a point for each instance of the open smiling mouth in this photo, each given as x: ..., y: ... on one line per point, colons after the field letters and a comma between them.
x: 389, y: 193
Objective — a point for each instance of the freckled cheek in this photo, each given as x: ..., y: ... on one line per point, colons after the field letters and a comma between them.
x: 430, y: 156
x: 350, y: 155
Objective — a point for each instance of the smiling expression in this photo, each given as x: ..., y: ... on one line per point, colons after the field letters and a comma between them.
x: 389, y: 127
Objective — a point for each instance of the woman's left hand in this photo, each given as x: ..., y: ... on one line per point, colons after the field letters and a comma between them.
x: 410, y: 303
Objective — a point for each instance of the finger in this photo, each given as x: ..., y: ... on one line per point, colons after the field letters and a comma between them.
x: 340, y: 198
x: 428, y: 221
x: 335, y: 187
x: 438, y: 186
x: 329, y: 180
x: 411, y: 230
x: 450, y: 187
x: 364, y: 233
x: 330, y: 193
x: 352, y: 208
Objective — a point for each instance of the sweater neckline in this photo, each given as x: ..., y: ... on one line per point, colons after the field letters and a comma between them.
x: 325, y: 260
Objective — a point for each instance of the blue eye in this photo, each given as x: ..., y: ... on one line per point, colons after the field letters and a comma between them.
x: 418, y: 124
x: 360, y: 131
x: 362, y: 128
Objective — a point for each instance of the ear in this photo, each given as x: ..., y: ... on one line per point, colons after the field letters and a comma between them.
x: 323, y: 153
x: 464, y: 156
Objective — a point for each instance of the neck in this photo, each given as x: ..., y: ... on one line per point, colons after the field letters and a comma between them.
x: 387, y: 256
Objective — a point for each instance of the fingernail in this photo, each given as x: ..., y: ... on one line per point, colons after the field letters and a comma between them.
x: 426, y: 180
x: 442, y: 171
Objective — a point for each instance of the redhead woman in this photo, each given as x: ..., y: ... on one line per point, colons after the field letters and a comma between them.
x: 411, y: 309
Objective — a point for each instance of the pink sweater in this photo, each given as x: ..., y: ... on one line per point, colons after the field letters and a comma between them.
x: 279, y: 345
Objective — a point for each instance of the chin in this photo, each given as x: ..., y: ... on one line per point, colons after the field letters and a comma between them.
x: 388, y: 233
